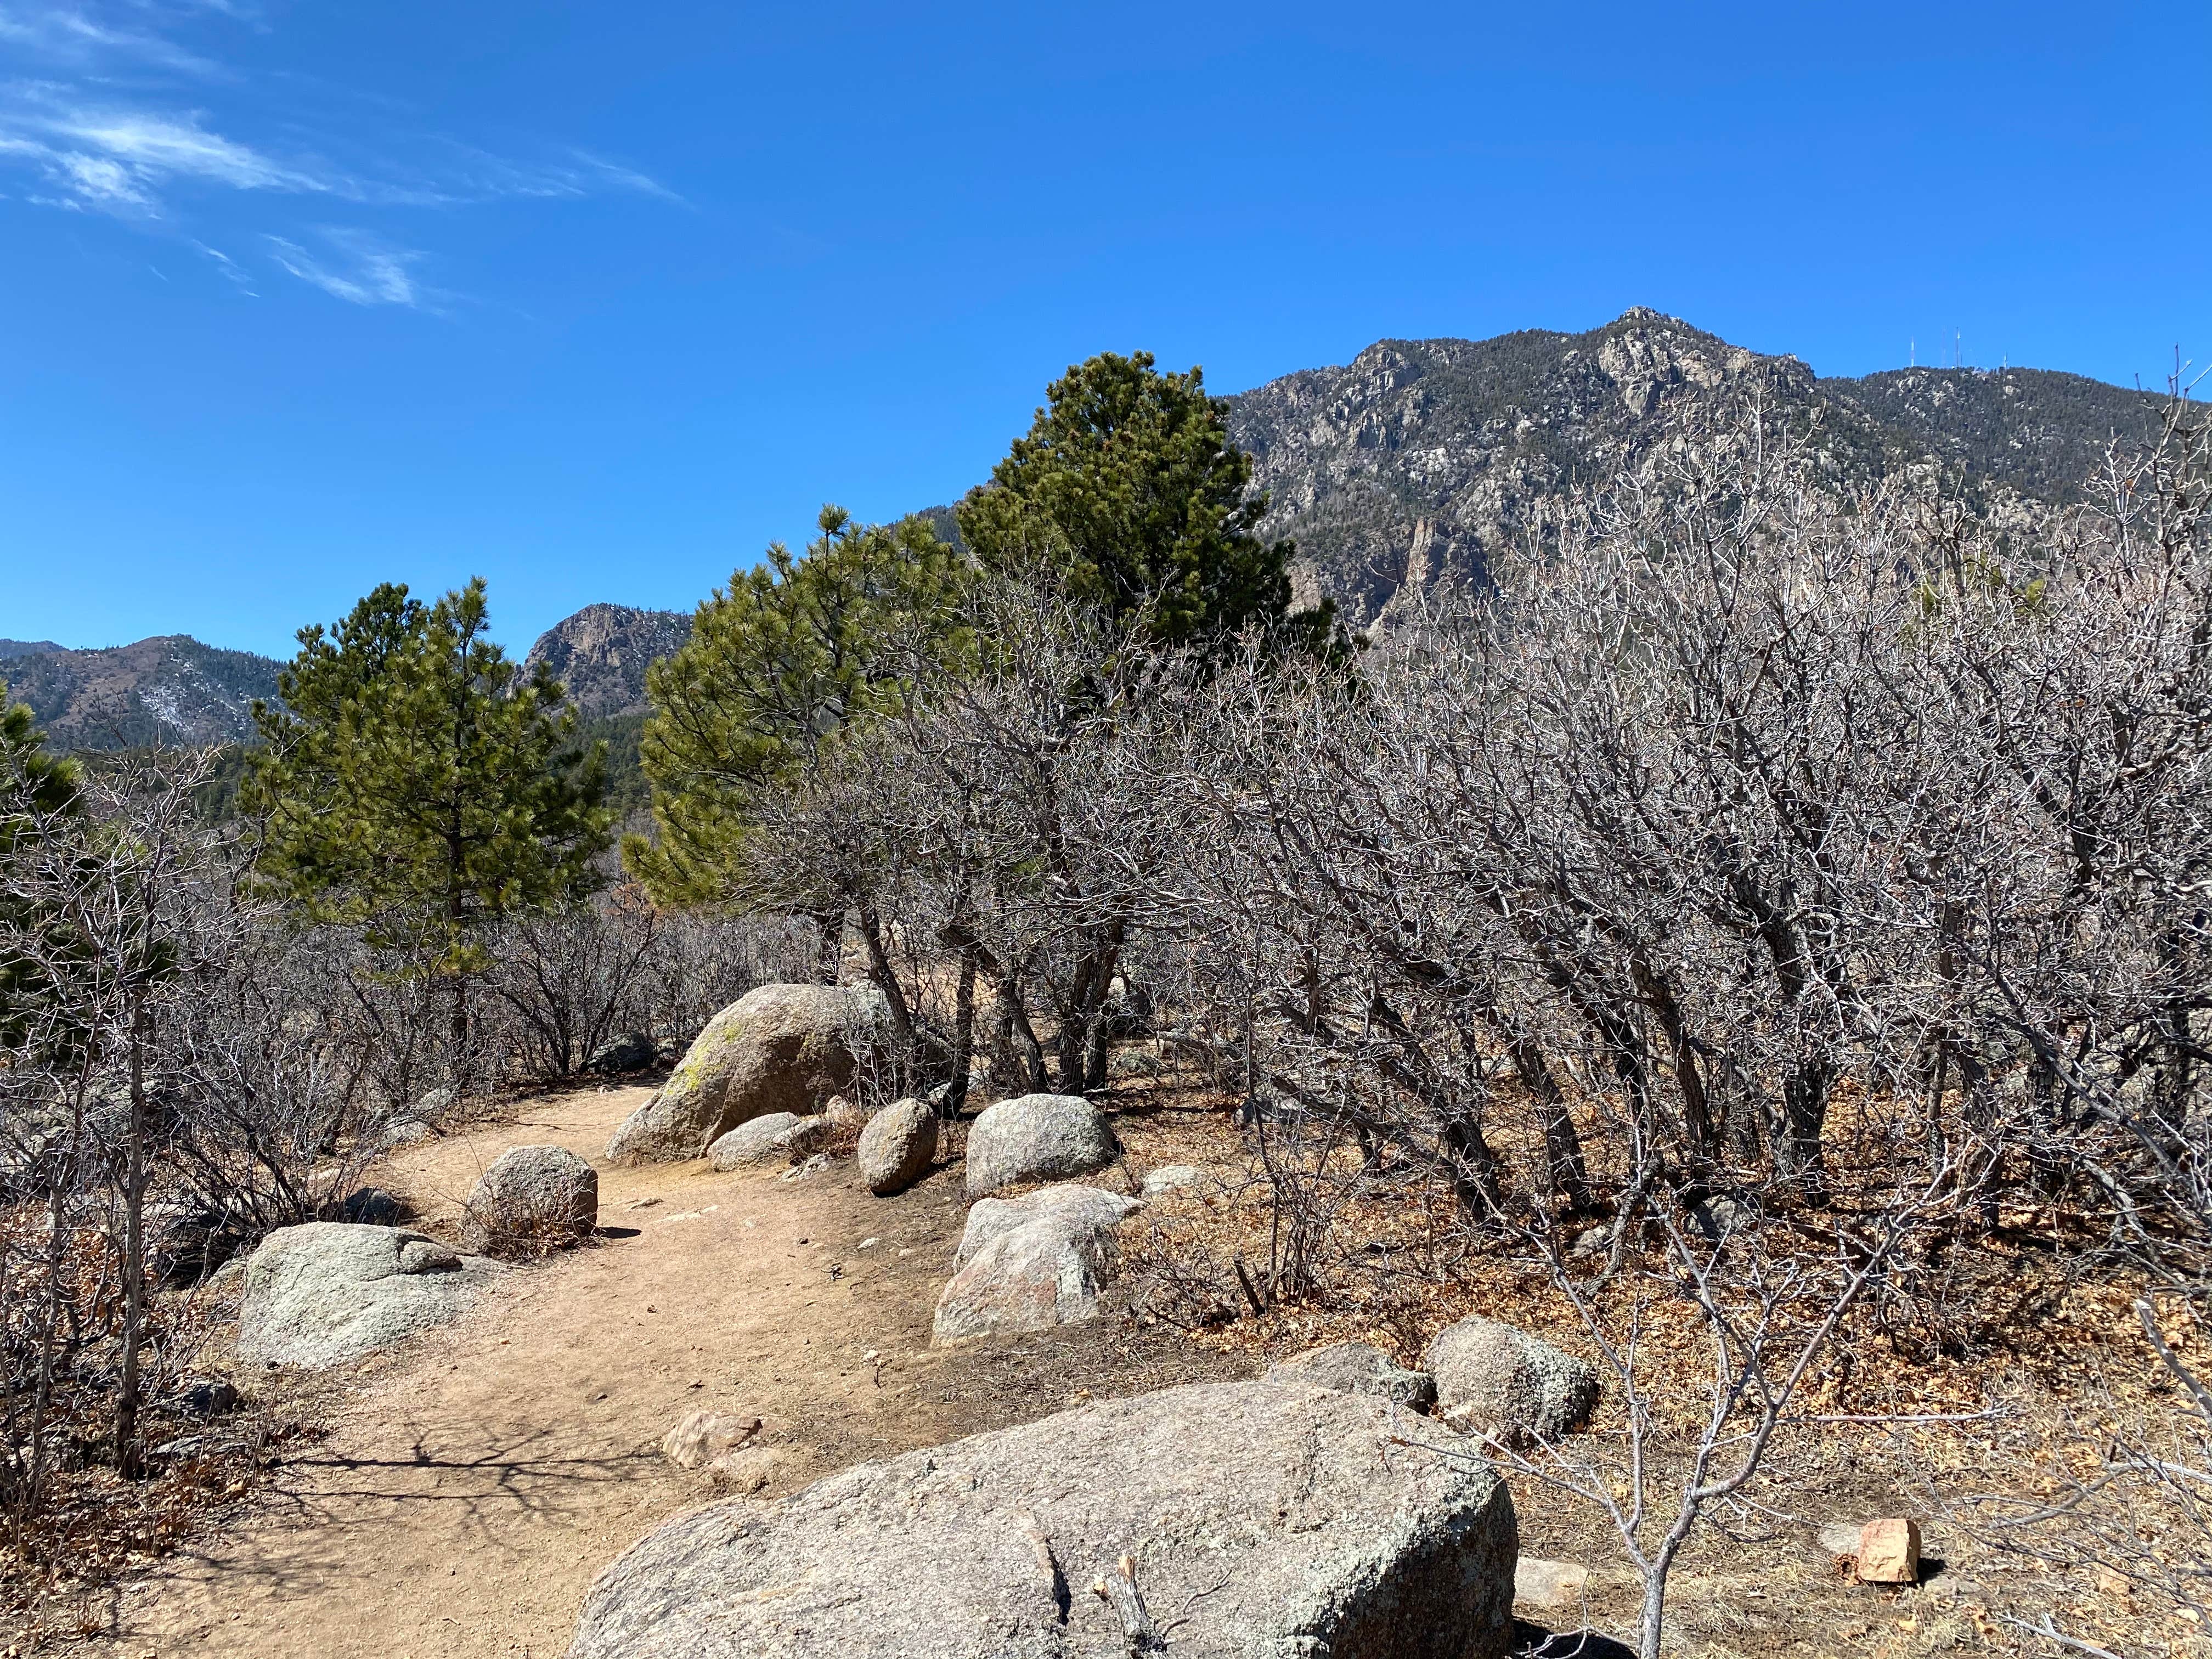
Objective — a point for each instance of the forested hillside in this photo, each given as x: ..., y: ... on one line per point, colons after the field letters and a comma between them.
x: 168, y: 689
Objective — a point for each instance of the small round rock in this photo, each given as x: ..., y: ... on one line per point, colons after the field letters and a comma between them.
x: 898, y: 1146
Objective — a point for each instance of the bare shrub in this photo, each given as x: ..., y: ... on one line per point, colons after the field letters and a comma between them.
x: 1834, y: 864
x: 571, y: 980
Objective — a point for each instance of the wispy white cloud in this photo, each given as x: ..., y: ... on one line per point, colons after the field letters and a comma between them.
x: 83, y: 181
x: 366, y: 273
x: 97, y: 179
x: 70, y: 35
x: 118, y: 158
x: 489, y: 177
x: 612, y: 175
x: 231, y: 269
x: 156, y: 147
x: 116, y: 121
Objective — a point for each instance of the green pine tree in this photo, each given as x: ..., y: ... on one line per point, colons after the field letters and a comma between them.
x: 1128, y: 484
x: 792, y: 652
x: 417, y: 783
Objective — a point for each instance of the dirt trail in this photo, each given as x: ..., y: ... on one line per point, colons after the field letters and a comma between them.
x: 479, y: 1479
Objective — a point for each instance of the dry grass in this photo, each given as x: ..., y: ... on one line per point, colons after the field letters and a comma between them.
x: 60, y: 1562
x: 2013, y: 1381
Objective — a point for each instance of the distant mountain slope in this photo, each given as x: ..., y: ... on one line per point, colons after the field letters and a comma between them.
x: 601, y: 654
x: 1419, y: 457
x: 1412, y: 463
x: 171, y: 690
x: 2039, y: 431
x: 947, y: 523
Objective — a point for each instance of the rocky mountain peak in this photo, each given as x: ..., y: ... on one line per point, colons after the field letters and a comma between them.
x: 1419, y: 460
x: 601, y: 654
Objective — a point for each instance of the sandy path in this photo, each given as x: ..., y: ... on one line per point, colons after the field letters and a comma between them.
x: 468, y: 1495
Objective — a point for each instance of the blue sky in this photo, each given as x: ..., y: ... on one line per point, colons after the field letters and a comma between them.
x: 596, y: 300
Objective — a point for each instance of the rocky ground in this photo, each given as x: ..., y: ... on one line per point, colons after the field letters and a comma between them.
x: 471, y: 1485
x: 457, y: 1496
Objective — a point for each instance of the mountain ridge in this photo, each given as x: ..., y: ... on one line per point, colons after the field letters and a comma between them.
x: 1404, y: 467
x: 169, y: 689
x: 1417, y: 460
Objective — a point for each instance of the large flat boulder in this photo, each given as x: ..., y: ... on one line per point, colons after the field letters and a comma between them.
x: 777, y: 1049
x: 330, y: 1292
x: 1494, y: 1379
x: 531, y: 1198
x: 1263, y: 1520
x: 1036, y: 1138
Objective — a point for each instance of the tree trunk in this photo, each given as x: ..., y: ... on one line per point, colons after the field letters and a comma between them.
x: 964, y: 1035
x: 1653, y: 1621
x: 1474, y: 1165
x: 1002, y: 1035
x: 1096, y: 991
x: 1804, y: 1115
x: 829, y: 946
x: 1024, y: 1035
x: 134, y: 1254
x: 1075, y: 1027
x: 1096, y: 1051
x: 457, y: 1032
x: 1689, y: 1077
x: 879, y: 969
x: 456, y: 913
x: 1565, y: 1169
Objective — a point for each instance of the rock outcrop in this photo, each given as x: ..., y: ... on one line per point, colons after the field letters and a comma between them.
x: 777, y: 1049
x: 601, y: 653
x: 1172, y: 1178
x: 702, y: 1436
x: 169, y: 690
x: 632, y: 1052
x: 330, y: 1292
x: 1029, y: 1264
x: 898, y: 1146
x: 1493, y: 1379
x: 532, y: 1197
x: 1407, y: 469
x: 1550, y: 1586
x: 1264, y: 1521
x: 1036, y: 1138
